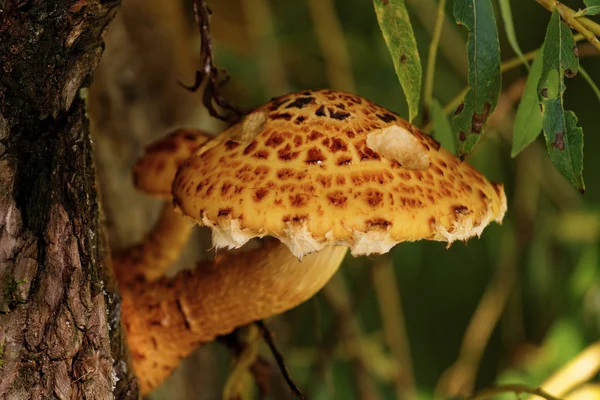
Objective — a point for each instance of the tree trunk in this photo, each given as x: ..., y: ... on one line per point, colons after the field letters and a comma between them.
x: 59, y: 309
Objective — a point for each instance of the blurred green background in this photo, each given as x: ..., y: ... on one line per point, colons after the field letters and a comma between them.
x: 511, y: 307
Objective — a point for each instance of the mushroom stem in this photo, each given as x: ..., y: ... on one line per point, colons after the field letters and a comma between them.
x: 157, y: 252
x: 167, y: 319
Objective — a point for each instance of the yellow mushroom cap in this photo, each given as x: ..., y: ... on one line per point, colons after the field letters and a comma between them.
x: 154, y: 172
x: 324, y: 167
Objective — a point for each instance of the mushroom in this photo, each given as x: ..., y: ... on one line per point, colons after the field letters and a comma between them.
x: 326, y: 168
x: 153, y: 175
x: 320, y: 171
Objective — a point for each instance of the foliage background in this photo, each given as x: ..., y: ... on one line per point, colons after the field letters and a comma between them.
x: 539, y: 272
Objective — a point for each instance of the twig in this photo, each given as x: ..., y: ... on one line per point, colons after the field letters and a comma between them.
x: 588, y: 28
x: 452, y: 42
x: 259, y: 368
x: 350, y: 330
x: 332, y: 43
x: 259, y: 20
x: 330, y: 345
x: 266, y: 334
x: 209, y: 72
x: 584, y: 367
x: 239, y: 378
x: 460, y: 377
x: 590, y: 82
x: 392, y: 317
x: 517, y: 389
x: 567, y: 14
x: 433, y: 50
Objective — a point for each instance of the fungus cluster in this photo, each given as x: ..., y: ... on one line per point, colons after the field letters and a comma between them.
x: 320, y: 171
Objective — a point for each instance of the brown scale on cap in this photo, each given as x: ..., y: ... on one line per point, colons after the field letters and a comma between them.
x: 325, y: 167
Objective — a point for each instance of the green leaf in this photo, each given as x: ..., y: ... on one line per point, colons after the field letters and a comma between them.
x: 592, y: 3
x: 400, y: 39
x: 564, y: 139
x: 510, y: 30
x: 560, y: 57
x: 485, y: 77
x: 591, y: 10
x: 528, y: 120
x: 442, y: 131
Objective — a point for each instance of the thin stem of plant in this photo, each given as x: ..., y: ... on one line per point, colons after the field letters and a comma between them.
x: 582, y: 368
x: 266, y: 334
x: 517, y: 389
x: 350, y: 330
x: 452, y: 43
x: 568, y: 15
x: 588, y: 28
x: 590, y: 81
x: 394, y: 326
x: 209, y: 73
x: 433, y: 49
x: 460, y: 377
x: 332, y: 42
x: 260, y: 21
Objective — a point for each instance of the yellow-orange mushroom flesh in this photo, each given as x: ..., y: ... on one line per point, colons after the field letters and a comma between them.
x: 167, y: 319
x: 324, y: 167
x: 154, y: 172
x: 153, y: 175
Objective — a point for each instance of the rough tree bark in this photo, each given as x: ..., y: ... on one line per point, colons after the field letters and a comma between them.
x: 59, y: 311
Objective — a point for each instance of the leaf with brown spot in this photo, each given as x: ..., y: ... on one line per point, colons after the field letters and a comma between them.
x: 400, y: 39
x: 592, y: 8
x: 485, y: 77
x: 564, y: 139
x: 564, y: 142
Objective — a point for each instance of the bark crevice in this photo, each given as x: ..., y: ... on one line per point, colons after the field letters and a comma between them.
x: 55, y: 334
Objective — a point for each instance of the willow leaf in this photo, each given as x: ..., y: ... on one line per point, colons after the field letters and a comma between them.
x: 485, y: 77
x: 528, y: 120
x: 588, y: 11
x: 400, y: 40
x: 442, y: 131
x: 564, y: 139
x: 509, y: 26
